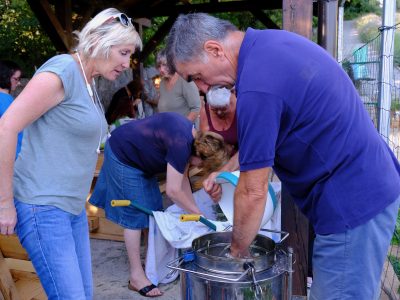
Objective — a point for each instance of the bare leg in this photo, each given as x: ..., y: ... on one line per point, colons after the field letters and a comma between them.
x: 137, y: 278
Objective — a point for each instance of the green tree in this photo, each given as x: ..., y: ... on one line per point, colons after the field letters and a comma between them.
x: 355, y: 8
x: 22, y: 38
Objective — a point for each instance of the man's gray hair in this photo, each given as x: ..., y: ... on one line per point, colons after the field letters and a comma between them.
x: 189, y: 33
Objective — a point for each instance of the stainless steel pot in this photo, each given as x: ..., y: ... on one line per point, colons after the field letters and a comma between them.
x: 206, y: 272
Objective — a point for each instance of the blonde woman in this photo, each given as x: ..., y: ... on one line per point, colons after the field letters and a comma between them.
x: 43, y: 194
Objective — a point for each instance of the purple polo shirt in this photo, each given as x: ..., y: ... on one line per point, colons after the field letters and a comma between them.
x: 299, y: 113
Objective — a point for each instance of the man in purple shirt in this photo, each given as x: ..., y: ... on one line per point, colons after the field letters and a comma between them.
x: 299, y: 113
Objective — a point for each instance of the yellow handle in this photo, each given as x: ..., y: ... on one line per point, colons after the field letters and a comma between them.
x: 185, y: 218
x: 120, y: 203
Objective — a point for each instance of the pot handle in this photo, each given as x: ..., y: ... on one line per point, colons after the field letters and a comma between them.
x: 176, y: 264
x: 286, y: 234
x: 256, y: 287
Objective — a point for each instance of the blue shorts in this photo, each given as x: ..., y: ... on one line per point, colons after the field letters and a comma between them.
x: 118, y: 181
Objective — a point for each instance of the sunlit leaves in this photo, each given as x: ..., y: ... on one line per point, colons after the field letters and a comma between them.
x: 22, y: 38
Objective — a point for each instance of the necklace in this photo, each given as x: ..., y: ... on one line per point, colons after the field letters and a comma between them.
x: 94, y: 96
x: 88, y: 87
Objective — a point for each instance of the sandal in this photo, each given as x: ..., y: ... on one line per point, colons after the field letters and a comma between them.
x: 144, y: 291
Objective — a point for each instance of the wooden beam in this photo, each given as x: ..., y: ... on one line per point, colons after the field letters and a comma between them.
x: 226, y: 6
x: 63, y: 10
x: 260, y: 15
x: 50, y: 24
x: 8, y: 290
x: 157, y: 37
x: 297, y: 16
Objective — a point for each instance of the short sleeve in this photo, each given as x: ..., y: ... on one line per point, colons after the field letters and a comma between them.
x: 259, y: 116
x: 64, y: 67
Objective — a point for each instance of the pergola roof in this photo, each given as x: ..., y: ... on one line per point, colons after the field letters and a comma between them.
x: 60, y: 18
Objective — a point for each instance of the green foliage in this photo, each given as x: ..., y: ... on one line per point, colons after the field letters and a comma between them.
x: 397, y: 48
x: 367, y: 27
x: 356, y: 8
x: 22, y: 39
x: 396, y: 236
x: 396, y: 264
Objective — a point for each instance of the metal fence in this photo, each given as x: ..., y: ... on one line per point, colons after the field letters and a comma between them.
x: 363, y: 67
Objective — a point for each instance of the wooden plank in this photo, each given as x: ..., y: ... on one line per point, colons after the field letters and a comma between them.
x: 108, y: 227
x: 99, y: 164
x: 29, y: 288
x: 8, y: 289
x: 93, y: 223
x: 20, y: 265
x: 110, y: 237
x: 17, y: 275
x: 107, y: 230
x: 294, y: 222
x: 11, y: 247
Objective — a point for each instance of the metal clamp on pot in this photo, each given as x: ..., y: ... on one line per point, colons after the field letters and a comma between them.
x: 207, y: 271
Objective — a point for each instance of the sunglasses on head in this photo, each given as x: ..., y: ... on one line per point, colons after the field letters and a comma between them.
x: 122, y: 18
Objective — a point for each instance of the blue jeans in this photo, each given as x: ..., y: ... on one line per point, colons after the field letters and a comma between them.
x: 348, y: 265
x: 58, y: 245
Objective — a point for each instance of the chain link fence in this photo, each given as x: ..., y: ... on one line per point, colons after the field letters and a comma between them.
x: 363, y: 67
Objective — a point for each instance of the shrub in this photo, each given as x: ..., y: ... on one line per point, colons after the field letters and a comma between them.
x: 397, y: 48
x: 367, y: 27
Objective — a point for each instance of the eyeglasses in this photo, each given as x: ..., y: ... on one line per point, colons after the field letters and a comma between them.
x: 122, y: 18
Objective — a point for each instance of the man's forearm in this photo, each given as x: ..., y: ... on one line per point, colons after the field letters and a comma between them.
x: 249, y: 206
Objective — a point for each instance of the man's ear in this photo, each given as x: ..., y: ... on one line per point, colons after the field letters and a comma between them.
x: 214, y: 48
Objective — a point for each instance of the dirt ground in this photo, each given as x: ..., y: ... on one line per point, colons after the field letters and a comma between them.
x: 111, y: 273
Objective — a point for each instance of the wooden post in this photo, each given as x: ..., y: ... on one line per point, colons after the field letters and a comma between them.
x: 294, y: 222
x: 297, y: 17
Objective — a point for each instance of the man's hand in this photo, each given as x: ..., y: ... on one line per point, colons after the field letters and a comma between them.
x: 8, y: 218
x: 212, y: 188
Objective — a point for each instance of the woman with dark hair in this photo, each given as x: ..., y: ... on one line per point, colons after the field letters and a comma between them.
x: 10, y: 76
x: 124, y: 105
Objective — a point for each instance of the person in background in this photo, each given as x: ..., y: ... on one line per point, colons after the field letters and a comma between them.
x: 299, y: 113
x: 10, y: 76
x: 175, y: 94
x: 135, y: 153
x: 150, y: 94
x: 44, y: 193
x: 218, y: 115
x: 123, y: 106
